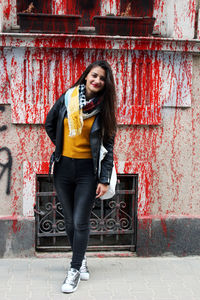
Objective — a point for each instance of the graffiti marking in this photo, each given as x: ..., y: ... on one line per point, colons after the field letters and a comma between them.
x: 8, y: 164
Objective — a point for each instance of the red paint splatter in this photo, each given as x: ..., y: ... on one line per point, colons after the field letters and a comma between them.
x: 177, y: 27
x: 164, y: 227
x: 15, y: 226
x: 7, y: 9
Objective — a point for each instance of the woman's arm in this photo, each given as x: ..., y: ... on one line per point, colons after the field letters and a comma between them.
x: 107, y: 162
x: 51, y: 119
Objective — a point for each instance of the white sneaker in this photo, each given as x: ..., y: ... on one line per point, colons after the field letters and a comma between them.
x: 71, y: 282
x: 84, y: 272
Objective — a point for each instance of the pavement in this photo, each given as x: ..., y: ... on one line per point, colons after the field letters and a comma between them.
x: 112, y: 278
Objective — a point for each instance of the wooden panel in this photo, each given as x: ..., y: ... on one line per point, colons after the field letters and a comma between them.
x: 176, y: 84
x: 140, y: 101
x: 5, y: 75
x: 175, y: 18
x: 145, y: 81
x: 39, y: 78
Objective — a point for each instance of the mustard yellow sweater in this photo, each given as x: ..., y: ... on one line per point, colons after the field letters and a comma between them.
x: 78, y: 146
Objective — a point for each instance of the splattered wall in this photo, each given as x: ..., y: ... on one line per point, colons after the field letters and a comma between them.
x: 157, y: 82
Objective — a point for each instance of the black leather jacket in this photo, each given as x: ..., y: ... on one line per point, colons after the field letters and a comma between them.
x: 54, y: 128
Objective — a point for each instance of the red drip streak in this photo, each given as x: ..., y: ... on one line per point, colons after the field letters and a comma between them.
x: 7, y: 10
x: 164, y: 227
x: 15, y: 226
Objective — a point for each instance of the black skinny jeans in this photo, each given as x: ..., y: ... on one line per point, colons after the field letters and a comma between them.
x: 75, y: 185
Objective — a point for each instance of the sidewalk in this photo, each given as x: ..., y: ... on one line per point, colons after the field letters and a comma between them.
x: 116, y: 278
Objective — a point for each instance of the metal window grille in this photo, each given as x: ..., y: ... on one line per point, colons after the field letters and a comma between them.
x: 113, y: 221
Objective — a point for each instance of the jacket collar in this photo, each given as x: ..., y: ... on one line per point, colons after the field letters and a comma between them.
x: 97, y: 123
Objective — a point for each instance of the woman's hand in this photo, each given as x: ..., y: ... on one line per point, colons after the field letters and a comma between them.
x: 101, y: 189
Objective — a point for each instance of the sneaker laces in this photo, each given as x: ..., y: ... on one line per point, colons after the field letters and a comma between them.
x: 70, y: 277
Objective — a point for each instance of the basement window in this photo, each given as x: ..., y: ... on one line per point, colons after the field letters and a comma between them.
x: 113, y: 221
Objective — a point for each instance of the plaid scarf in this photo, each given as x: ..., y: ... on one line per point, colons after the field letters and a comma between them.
x: 79, y: 108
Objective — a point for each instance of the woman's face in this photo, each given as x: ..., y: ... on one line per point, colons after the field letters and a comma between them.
x: 95, y: 81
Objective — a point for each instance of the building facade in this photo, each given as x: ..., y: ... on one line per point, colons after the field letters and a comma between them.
x: 158, y: 113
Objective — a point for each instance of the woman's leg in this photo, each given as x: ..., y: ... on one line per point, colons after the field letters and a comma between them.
x: 84, y: 197
x: 65, y: 187
x: 75, y: 185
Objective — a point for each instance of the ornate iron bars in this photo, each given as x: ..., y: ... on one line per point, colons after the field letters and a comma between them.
x: 113, y: 221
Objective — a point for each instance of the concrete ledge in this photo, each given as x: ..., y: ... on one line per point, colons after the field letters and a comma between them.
x: 168, y: 236
x: 99, y: 254
x: 93, y: 41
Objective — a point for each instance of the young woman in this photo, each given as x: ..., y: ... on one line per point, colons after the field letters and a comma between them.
x: 77, y: 124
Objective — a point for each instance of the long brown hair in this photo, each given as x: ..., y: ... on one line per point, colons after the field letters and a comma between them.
x: 109, y: 97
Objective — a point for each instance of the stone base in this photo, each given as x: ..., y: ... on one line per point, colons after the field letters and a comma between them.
x: 17, y: 236
x: 155, y: 237
x: 168, y: 236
